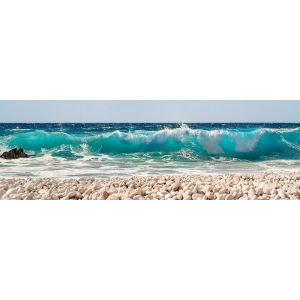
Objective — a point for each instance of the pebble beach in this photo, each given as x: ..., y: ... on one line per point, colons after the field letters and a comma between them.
x: 267, y: 186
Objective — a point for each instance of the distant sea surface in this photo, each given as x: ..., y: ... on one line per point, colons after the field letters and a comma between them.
x: 109, y: 150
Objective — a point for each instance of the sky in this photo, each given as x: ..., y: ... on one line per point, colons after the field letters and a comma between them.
x: 123, y: 111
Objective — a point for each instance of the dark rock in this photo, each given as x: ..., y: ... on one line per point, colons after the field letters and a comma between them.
x: 14, y: 154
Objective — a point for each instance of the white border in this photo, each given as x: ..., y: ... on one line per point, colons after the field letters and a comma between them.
x: 157, y: 50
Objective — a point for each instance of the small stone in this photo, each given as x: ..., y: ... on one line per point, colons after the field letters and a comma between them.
x: 235, y: 195
x: 15, y: 197
x: 112, y: 197
x: 11, y: 191
x: 97, y: 187
x: 209, y: 195
x: 175, y: 186
x: 251, y: 193
x: 281, y: 194
x: 209, y: 188
x: 138, y: 197
x: 266, y: 189
x: 81, y: 190
x: 180, y: 195
x: 187, y: 193
x: 78, y: 195
x: 2, y: 192
x: 88, y: 192
x: 221, y: 197
x: 229, y: 197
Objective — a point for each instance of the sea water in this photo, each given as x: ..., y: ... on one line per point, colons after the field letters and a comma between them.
x: 109, y: 150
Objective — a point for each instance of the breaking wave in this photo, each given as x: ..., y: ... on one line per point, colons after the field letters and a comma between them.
x: 245, y: 143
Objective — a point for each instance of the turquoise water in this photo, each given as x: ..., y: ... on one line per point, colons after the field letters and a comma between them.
x: 67, y: 150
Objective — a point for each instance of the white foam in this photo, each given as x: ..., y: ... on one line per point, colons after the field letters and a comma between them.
x: 244, y: 142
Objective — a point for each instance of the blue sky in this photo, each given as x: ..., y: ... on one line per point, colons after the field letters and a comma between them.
x: 149, y: 111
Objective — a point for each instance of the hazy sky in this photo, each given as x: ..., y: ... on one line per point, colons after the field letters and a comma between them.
x: 149, y: 111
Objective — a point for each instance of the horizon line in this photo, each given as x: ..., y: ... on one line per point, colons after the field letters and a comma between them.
x: 151, y: 123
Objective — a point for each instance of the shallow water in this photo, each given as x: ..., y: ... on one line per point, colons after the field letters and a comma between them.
x: 104, y: 150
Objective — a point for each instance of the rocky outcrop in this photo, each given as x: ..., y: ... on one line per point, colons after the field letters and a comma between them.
x: 14, y: 154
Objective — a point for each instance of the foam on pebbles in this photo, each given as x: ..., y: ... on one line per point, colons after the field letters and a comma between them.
x: 265, y: 186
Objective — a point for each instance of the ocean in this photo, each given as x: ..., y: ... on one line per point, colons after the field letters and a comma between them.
x: 124, y: 150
